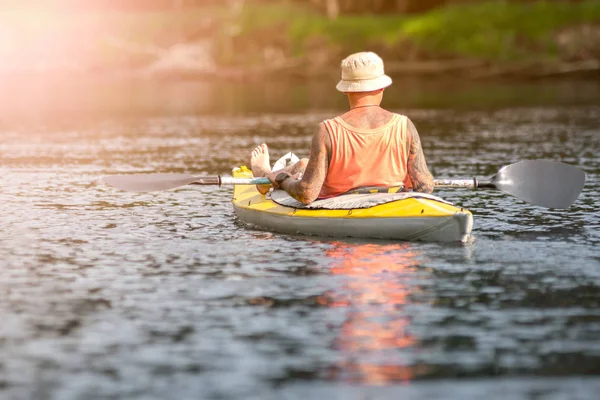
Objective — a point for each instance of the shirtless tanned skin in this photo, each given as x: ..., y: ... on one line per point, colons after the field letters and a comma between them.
x: 365, y: 113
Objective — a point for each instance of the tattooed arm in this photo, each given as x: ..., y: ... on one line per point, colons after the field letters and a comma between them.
x: 307, y: 189
x: 421, y: 178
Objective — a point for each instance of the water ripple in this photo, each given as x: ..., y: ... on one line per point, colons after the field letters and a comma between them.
x: 107, y: 294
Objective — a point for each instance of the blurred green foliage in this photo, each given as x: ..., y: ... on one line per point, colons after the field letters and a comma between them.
x: 498, y: 30
x: 490, y: 30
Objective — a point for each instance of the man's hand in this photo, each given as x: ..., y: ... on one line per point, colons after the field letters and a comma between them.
x: 276, y: 183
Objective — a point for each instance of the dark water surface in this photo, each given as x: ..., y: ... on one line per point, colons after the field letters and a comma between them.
x: 107, y: 294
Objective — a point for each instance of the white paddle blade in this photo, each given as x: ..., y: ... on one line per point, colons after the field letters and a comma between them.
x: 148, y: 182
x: 545, y: 183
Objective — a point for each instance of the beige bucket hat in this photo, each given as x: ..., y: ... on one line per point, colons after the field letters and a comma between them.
x: 363, y: 72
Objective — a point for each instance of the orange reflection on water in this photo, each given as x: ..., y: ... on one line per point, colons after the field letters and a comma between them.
x: 374, y: 293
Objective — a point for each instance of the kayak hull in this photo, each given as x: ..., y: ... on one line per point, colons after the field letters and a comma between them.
x: 410, y: 219
x: 448, y: 229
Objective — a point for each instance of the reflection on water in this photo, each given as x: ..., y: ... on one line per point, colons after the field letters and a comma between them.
x: 377, y: 281
x: 107, y: 294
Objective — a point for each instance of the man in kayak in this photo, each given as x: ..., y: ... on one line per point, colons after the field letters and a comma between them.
x: 366, y: 147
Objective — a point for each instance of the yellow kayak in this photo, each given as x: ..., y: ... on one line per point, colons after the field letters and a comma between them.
x: 397, y: 216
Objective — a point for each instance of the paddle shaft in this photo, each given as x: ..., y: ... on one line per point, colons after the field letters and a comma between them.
x: 464, y: 183
x: 442, y: 183
x: 228, y: 180
x: 151, y: 182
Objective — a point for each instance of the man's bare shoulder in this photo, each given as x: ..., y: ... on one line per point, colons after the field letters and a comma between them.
x: 411, y: 128
x: 321, y: 136
x: 322, y: 128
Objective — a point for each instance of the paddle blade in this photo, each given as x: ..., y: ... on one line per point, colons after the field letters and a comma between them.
x: 542, y: 182
x: 149, y: 182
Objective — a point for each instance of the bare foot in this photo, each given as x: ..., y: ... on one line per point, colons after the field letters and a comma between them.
x: 259, y: 161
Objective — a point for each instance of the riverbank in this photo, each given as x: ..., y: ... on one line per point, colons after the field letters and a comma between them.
x: 477, y: 40
x: 472, y: 41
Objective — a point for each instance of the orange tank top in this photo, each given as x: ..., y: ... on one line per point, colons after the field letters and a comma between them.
x: 366, y: 157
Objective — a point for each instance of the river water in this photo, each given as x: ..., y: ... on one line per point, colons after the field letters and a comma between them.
x: 108, y: 294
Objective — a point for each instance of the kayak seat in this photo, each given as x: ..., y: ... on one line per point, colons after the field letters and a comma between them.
x: 348, y: 201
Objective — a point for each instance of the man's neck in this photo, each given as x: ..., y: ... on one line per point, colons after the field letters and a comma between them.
x: 364, y: 105
x: 359, y: 100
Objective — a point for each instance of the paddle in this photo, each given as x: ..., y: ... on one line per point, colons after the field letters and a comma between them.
x: 541, y: 182
x: 156, y: 182
x: 544, y: 183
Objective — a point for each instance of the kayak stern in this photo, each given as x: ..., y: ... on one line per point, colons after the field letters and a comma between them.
x: 412, y: 218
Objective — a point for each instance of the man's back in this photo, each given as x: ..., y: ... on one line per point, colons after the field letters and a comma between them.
x: 373, y: 154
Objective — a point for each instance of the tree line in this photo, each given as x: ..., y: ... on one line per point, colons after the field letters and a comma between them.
x: 332, y: 8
